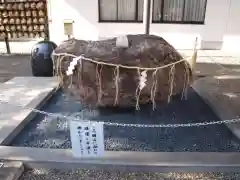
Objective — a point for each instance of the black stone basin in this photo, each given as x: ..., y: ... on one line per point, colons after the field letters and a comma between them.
x: 48, y: 132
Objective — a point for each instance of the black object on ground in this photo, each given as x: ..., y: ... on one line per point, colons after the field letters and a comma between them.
x: 49, y: 132
x: 41, y: 60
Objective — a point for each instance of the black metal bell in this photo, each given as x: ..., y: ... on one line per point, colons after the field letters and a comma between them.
x: 41, y: 61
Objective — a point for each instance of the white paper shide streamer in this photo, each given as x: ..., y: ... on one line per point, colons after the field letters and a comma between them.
x: 73, y: 64
x: 142, y: 80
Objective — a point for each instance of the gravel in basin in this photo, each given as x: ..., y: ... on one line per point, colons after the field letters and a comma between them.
x: 51, y: 132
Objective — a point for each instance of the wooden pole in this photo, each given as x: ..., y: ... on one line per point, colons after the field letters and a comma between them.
x: 194, y: 56
x: 193, y: 59
x: 147, y: 15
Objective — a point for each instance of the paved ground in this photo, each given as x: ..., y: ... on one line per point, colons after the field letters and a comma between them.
x: 11, y: 66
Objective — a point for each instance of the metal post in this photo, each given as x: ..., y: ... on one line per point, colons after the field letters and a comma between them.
x: 147, y: 15
x: 7, y: 45
x: 6, y: 36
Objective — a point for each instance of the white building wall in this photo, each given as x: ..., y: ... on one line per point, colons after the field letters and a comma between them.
x: 231, y: 37
x: 220, y: 31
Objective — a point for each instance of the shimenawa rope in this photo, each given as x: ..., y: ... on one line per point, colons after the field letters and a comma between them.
x: 61, y: 56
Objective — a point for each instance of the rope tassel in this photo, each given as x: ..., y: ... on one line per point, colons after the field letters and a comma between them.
x: 116, y: 74
x: 154, y: 88
x: 186, y: 82
x: 171, y: 82
x: 99, y: 80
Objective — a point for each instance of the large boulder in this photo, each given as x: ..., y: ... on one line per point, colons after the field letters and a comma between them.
x: 95, y: 83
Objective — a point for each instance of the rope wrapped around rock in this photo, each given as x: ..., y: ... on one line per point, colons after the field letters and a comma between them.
x: 102, y: 68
